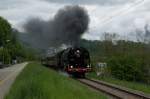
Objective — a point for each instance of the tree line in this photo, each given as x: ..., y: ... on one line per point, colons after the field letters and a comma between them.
x: 126, y: 60
x: 10, y: 47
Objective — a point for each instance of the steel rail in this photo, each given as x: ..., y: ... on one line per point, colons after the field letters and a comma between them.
x: 114, y: 90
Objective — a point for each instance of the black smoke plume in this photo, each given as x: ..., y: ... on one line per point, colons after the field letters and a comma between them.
x: 67, y: 27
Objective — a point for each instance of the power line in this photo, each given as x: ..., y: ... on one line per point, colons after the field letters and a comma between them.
x: 125, y: 9
x: 122, y: 9
x: 121, y: 12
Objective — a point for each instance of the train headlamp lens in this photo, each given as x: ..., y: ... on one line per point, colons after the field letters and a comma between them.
x: 71, y: 66
x: 78, y: 51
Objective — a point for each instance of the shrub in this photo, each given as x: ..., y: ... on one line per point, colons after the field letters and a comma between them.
x: 129, y: 68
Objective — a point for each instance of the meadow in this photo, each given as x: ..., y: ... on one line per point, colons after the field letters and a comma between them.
x: 39, y: 82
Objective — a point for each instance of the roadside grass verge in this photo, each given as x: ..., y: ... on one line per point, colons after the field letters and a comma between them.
x: 39, y: 82
x: 132, y: 85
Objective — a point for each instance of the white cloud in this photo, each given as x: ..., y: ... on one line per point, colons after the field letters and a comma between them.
x: 91, y: 2
x: 121, y: 19
x: 18, y: 12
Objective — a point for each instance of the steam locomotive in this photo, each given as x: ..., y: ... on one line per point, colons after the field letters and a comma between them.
x: 73, y: 60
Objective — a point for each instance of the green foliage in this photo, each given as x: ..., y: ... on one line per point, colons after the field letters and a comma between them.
x: 126, y: 68
x: 4, y: 55
x: 39, y: 82
x: 5, y: 31
x: 133, y: 65
x: 10, y: 47
x: 126, y: 60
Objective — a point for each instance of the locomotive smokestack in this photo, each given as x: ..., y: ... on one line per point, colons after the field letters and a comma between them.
x: 66, y: 27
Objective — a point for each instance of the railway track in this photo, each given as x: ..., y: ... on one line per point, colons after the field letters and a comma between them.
x: 113, y: 90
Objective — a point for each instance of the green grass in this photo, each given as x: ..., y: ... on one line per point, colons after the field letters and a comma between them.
x: 39, y: 82
x: 133, y: 85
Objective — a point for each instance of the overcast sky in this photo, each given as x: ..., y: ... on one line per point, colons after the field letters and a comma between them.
x: 119, y: 16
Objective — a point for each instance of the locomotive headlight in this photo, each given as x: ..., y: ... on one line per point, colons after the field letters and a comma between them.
x: 71, y: 66
x: 88, y: 66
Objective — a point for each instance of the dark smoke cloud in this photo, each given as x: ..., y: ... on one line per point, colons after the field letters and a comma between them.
x: 66, y: 27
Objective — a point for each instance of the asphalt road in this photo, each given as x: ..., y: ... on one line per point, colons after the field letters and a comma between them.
x: 7, y: 77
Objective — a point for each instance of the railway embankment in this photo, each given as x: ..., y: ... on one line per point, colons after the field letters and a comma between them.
x: 39, y: 82
x: 141, y: 87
